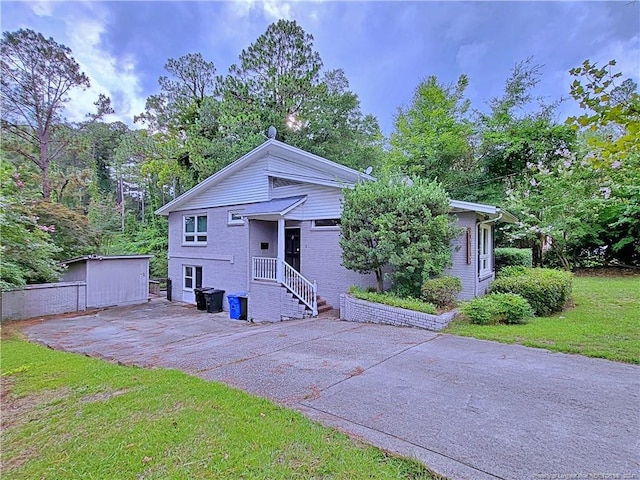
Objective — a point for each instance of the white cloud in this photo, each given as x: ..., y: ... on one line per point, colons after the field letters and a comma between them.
x: 113, y: 77
x: 42, y: 9
x: 472, y: 55
x: 277, y: 9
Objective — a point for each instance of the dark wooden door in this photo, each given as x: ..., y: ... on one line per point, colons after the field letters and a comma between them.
x: 292, y: 247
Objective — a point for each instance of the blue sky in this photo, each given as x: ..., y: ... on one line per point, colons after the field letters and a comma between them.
x: 385, y: 48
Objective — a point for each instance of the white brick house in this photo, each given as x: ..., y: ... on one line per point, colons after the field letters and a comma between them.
x: 268, y: 224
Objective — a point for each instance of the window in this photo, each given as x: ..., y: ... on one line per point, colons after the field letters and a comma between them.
x: 484, y: 250
x: 195, y: 230
x: 192, y: 277
x: 234, y: 217
x: 326, y: 223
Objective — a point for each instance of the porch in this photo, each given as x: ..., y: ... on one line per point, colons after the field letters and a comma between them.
x: 275, y: 249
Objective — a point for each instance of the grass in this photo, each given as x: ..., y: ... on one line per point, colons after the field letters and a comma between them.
x: 394, y: 301
x: 604, y: 322
x: 66, y: 416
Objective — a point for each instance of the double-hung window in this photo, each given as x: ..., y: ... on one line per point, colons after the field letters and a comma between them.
x: 194, y: 230
x: 484, y: 250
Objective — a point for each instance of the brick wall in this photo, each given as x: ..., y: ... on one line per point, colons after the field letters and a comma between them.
x: 356, y: 310
x: 223, y: 260
x: 43, y: 299
x: 321, y: 260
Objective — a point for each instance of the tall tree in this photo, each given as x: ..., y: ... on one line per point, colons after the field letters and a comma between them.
x: 516, y: 133
x: 37, y: 76
x: 278, y: 81
x: 191, y: 79
x: 432, y: 137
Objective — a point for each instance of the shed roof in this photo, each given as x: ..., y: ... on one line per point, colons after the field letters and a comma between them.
x: 103, y: 257
x: 277, y: 206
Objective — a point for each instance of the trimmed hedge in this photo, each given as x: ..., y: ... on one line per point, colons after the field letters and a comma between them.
x: 441, y: 291
x: 497, y: 308
x: 394, y: 301
x: 545, y: 289
x: 505, y: 257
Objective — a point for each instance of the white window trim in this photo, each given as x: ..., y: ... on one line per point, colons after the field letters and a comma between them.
x: 485, y: 268
x: 234, y: 221
x: 196, y: 233
x: 185, y: 276
x: 316, y: 227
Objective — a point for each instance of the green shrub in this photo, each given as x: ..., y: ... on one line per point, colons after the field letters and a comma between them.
x: 545, y: 289
x: 505, y: 257
x: 441, y: 291
x: 394, y: 301
x: 497, y: 308
x: 512, y: 271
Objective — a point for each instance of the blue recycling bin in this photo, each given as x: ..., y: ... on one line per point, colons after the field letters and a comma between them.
x: 237, y: 305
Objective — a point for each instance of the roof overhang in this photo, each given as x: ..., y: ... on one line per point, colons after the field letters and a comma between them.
x: 273, y: 209
x: 492, y: 212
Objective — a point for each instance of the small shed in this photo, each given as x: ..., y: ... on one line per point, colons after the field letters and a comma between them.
x: 111, y: 280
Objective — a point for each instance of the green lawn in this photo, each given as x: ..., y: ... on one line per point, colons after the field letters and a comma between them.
x: 604, y: 323
x: 66, y: 416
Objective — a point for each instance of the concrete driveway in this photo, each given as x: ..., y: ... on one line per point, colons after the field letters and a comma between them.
x: 469, y: 409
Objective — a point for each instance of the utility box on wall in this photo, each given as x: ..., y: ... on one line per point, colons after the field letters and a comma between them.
x: 111, y: 280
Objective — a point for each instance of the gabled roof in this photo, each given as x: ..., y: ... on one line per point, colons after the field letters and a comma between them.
x: 273, y: 147
x: 277, y: 206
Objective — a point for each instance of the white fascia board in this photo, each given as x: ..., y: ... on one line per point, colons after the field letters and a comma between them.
x: 473, y: 207
x: 213, y: 179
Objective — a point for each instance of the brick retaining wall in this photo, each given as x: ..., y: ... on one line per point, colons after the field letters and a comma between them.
x: 355, y: 310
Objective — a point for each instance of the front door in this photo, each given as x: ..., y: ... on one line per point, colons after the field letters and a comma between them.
x: 292, y: 247
x: 192, y: 278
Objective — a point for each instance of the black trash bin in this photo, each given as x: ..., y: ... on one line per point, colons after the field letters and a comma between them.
x: 214, y: 300
x: 201, y: 301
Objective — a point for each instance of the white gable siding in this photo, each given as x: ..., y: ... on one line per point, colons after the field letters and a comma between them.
x: 293, y: 168
x: 248, y: 185
x: 321, y: 202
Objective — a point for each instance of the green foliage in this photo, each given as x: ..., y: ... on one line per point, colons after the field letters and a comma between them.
x: 394, y: 301
x: 545, y: 289
x: 69, y: 230
x: 27, y: 251
x: 512, y: 257
x: 611, y: 129
x: 603, y: 323
x: 37, y: 76
x: 517, y: 133
x: 396, y: 223
x: 432, y: 138
x: 441, y: 291
x: 495, y: 308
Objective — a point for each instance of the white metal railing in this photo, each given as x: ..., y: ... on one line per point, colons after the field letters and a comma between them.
x: 300, y: 287
x: 265, y: 268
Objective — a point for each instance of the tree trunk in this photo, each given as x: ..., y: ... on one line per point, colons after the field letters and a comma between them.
x: 44, y: 167
x: 536, y: 251
x: 380, y: 280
